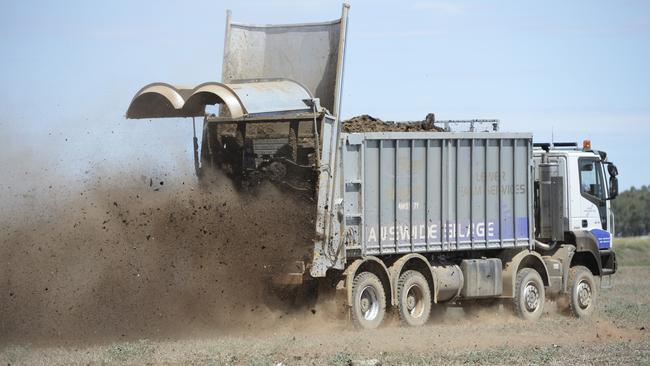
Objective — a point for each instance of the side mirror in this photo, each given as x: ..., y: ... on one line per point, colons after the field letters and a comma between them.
x: 613, y: 186
x: 612, y: 170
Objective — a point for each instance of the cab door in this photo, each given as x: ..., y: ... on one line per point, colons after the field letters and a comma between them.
x: 593, y: 201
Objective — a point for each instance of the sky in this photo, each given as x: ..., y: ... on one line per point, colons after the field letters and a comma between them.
x: 564, y: 69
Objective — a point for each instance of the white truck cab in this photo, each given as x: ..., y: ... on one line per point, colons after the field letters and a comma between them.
x: 588, y: 183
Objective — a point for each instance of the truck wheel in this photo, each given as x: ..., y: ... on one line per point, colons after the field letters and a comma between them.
x: 368, y: 301
x: 413, y: 298
x: 529, y: 294
x: 582, y: 293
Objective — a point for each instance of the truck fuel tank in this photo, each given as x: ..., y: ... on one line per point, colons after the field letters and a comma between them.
x: 448, y: 282
x: 482, y: 278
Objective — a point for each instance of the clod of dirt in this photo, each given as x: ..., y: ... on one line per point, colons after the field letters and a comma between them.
x: 367, y: 123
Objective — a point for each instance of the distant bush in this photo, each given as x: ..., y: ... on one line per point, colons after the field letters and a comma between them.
x: 632, y: 212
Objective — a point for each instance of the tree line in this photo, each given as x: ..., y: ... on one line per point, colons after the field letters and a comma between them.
x: 632, y: 212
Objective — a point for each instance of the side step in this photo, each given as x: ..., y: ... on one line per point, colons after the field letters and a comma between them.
x: 606, y: 281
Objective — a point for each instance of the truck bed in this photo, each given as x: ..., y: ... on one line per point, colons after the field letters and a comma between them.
x: 435, y: 191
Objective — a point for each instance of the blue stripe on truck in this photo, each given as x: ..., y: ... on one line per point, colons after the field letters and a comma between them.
x: 603, y: 237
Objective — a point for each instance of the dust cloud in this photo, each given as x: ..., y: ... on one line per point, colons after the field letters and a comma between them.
x: 125, y: 255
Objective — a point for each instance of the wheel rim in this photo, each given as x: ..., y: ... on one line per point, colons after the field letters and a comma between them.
x: 584, y: 294
x: 531, y: 296
x: 369, y: 303
x: 415, y: 301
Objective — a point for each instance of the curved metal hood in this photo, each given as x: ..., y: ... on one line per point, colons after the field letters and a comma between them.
x: 266, y: 69
x: 241, y: 97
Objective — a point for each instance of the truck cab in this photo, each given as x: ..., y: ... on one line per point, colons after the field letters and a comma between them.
x: 589, y: 183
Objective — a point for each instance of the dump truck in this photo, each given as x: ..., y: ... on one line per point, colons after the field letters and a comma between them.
x: 411, y: 220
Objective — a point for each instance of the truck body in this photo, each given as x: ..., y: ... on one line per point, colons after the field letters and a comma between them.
x: 427, y: 192
x: 410, y: 220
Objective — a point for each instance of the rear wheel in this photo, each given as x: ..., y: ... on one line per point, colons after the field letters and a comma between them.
x: 582, y: 292
x: 414, y: 298
x: 529, y: 294
x: 368, y: 301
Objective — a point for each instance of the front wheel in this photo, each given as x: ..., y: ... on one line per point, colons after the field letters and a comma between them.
x: 368, y: 300
x: 582, y: 292
x: 529, y: 294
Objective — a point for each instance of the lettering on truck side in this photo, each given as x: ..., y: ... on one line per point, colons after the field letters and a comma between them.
x: 432, y: 232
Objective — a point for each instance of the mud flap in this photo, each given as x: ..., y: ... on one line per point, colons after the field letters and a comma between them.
x: 606, y: 282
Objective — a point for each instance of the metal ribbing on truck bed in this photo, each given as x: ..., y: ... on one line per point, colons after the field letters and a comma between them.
x: 500, y: 199
x: 514, y: 184
x: 471, y: 189
x: 529, y: 202
x: 428, y: 192
x: 457, y: 144
x: 485, y: 189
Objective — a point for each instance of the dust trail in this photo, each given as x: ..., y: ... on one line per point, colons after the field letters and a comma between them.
x: 131, y: 256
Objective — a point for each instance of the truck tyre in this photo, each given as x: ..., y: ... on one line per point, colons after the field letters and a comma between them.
x: 413, y: 298
x: 368, y: 301
x: 582, y: 292
x: 529, y: 294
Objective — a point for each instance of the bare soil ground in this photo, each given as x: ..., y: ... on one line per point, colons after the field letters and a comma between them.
x: 617, y: 335
x: 150, y: 272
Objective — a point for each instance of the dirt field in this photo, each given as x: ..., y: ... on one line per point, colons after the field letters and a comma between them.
x: 143, y: 273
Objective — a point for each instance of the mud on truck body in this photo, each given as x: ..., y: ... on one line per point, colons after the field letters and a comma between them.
x: 414, y: 221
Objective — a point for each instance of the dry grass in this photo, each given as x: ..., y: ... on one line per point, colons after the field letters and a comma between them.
x: 633, y: 251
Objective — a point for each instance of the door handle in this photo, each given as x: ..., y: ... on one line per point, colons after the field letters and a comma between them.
x: 584, y: 223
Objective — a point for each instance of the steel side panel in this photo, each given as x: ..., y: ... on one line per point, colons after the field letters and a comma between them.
x: 418, y: 197
x: 352, y: 171
x: 310, y: 53
x: 402, y: 195
x: 371, y: 192
x: 387, y: 202
x: 438, y: 192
